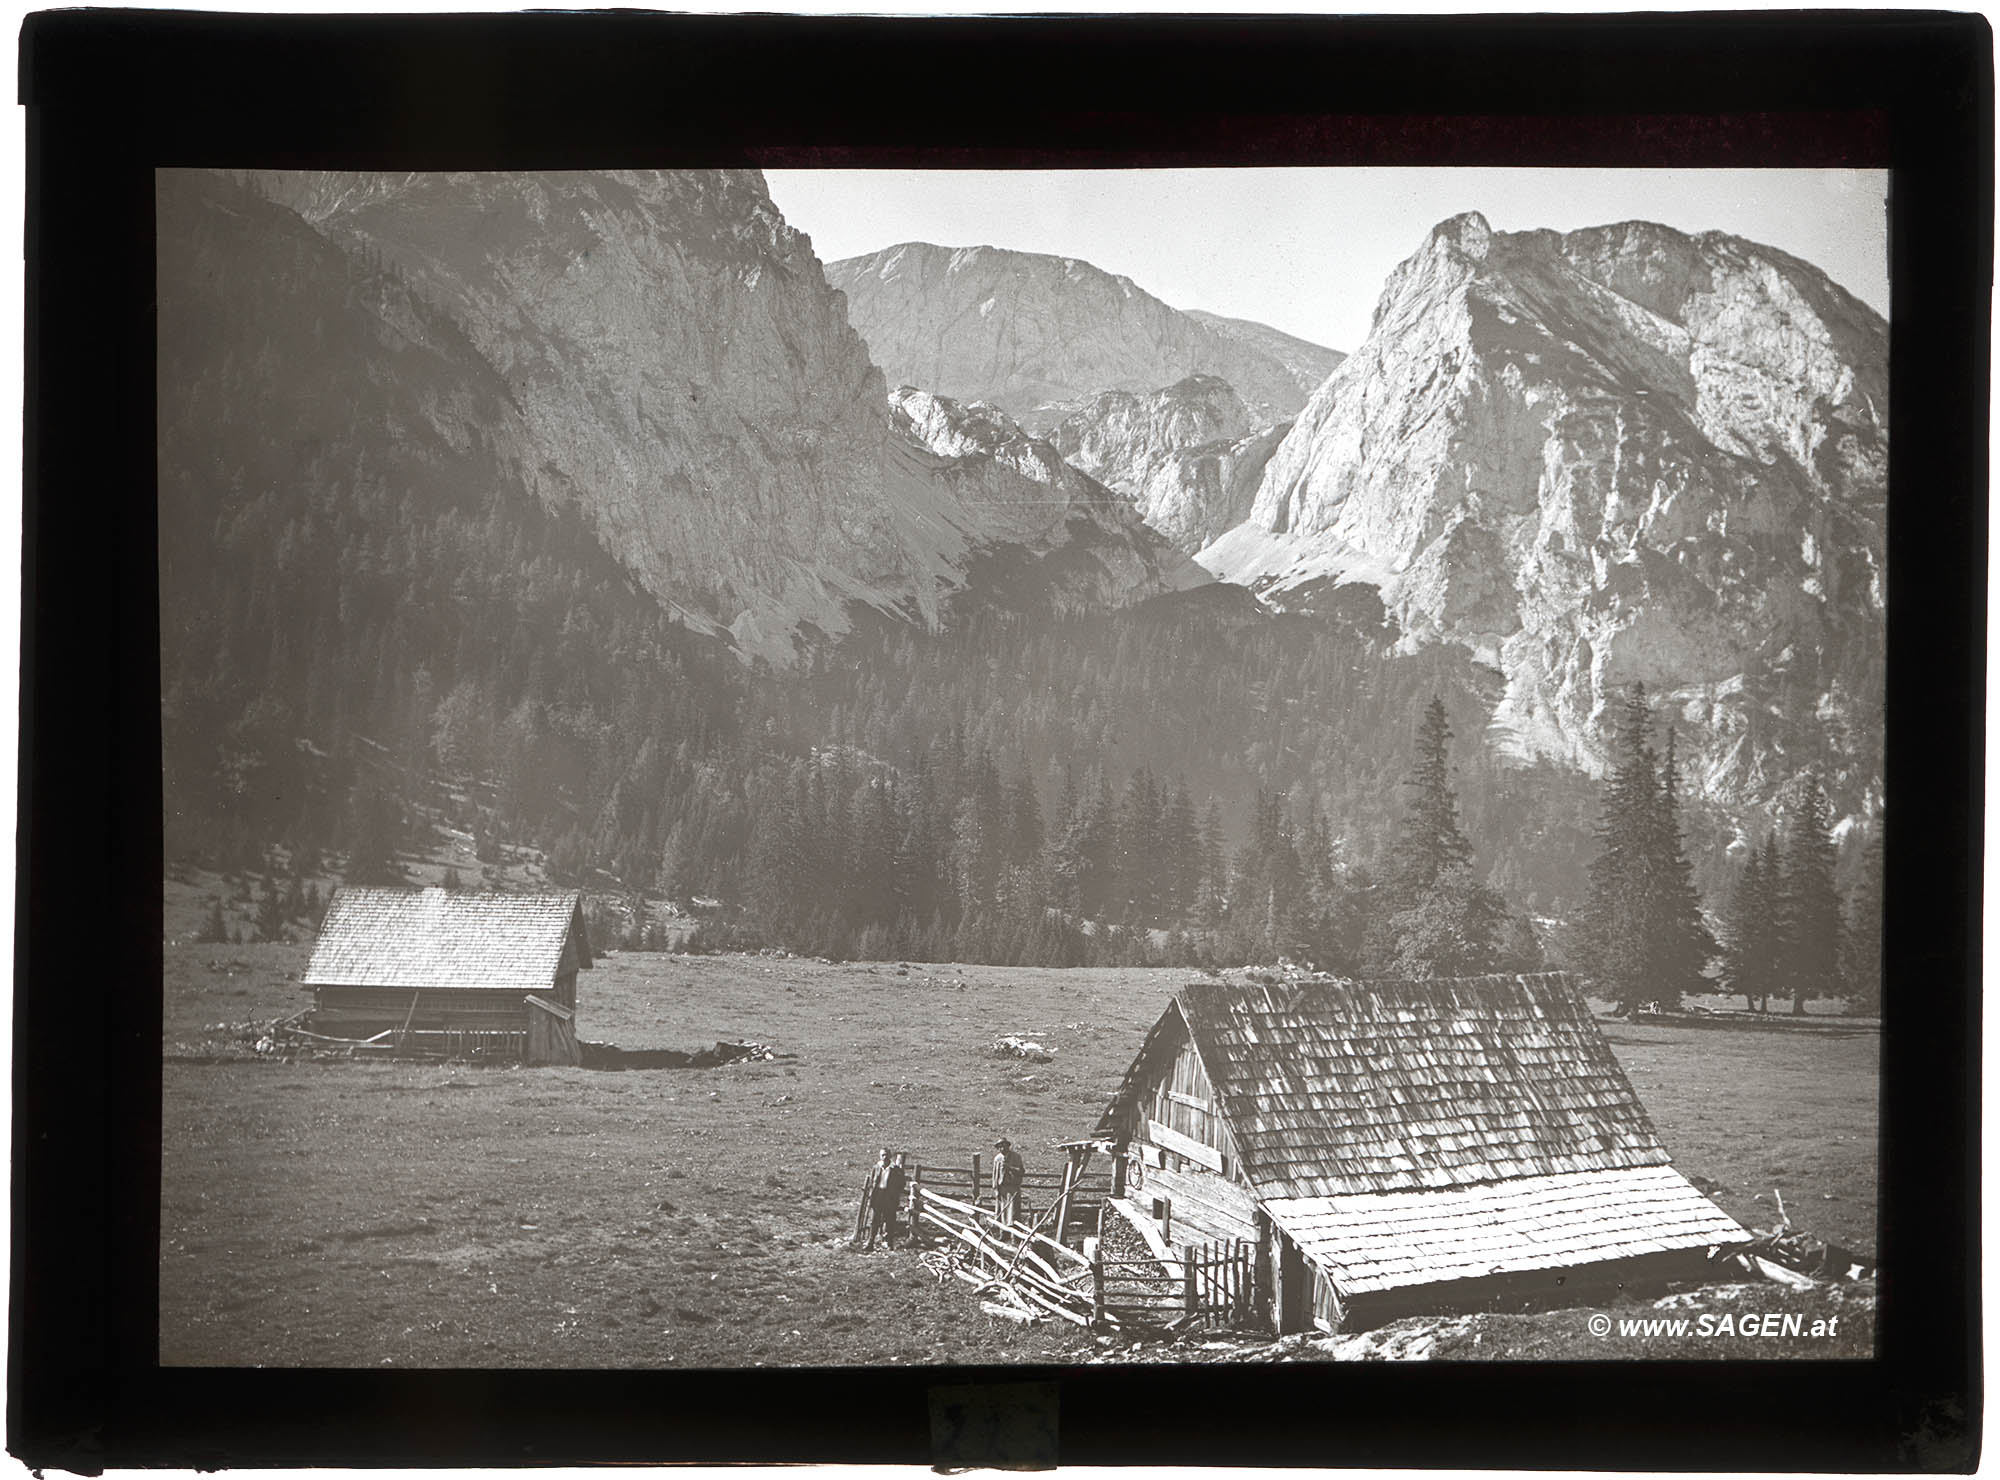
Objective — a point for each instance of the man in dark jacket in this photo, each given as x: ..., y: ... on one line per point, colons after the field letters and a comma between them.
x: 884, y: 1189
x: 1008, y: 1169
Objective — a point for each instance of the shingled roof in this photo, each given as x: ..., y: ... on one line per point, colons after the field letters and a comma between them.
x: 1374, y: 1241
x: 1384, y: 1086
x: 438, y: 938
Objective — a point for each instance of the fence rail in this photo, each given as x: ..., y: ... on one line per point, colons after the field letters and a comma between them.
x: 1029, y: 1274
x: 1075, y: 1197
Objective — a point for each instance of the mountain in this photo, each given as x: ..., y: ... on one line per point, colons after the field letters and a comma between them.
x: 359, y: 579
x: 1085, y: 546
x: 682, y: 372
x: 1619, y: 455
x: 1029, y: 333
x: 1309, y: 363
x: 1189, y: 456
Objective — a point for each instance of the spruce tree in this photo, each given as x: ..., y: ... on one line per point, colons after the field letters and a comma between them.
x: 1212, y: 893
x: 1752, y: 955
x: 1452, y: 929
x: 215, y: 929
x: 1808, y: 903
x: 1434, y: 917
x: 1863, y: 965
x: 1430, y: 841
x: 1682, y: 944
x: 1644, y: 938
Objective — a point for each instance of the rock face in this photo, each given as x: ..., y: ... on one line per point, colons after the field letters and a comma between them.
x: 1089, y: 545
x: 1030, y: 333
x: 1189, y: 456
x: 687, y: 377
x: 1622, y: 454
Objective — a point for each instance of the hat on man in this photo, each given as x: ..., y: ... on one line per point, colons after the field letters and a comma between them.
x: 1003, y: 1141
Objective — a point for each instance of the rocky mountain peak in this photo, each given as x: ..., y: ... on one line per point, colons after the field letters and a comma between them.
x: 1613, y: 455
x: 1467, y: 234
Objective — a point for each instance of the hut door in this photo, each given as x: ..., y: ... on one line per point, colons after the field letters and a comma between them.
x: 1295, y: 1287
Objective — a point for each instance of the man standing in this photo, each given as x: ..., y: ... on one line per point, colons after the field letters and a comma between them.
x: 895, y: 1181
x: 1007, y: 1173
x: 884, y: 1186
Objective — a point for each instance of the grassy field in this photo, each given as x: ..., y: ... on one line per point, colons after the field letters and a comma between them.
x: 375, y: 1214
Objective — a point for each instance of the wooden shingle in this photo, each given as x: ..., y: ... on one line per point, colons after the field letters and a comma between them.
x: 1370, y: 1087
x: 1371, y: 1242
x: 437, y: 939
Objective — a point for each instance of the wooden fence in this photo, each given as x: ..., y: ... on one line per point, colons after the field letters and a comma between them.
x: 1031, y: 1274
x: 971, y: 1181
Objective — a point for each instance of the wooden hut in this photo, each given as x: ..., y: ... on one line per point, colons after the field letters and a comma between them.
x: 477, y: 973
x: 1400, y: 1145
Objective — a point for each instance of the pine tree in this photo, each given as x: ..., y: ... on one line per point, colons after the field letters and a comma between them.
x: 1808, y: 903
x: 1453, y: 928
x: 1751, y: 960
x: 1435, y: 918
x: 1430, y: 841
x: 1682, y: 946
x: 1644, y: 938
x: 215, y: 929
x: 270, y: 912
x: 1024, y: 823
x: 1212, y: 893
x: 1181, y: 849
x: 1863, y: 965
x: 1614, y: 927
x: 874, y: 832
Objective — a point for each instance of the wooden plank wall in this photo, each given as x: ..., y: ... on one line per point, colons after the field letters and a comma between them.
x: 1183, y: 1100
x: 1206, y: 1207
x: 356, y: 1012
x: 551, y: 1033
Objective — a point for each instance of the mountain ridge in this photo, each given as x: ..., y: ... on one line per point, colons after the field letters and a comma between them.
x: 1030, y: 332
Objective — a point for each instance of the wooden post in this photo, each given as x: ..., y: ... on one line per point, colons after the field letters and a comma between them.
x: 406, y: 1018
x: 1167, y: 1219
x: 1278, y: 1284
x: 1062, y: 1198
x: 1265, y: 1263
x: 974, y: 1199
x: 1118, y: 1175
x: 1097, y: 1288
x: 1190, y: 1265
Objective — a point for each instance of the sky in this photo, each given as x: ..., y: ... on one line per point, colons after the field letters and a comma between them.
x: 1307, y: 250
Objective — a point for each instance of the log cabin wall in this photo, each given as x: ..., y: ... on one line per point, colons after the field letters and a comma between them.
x: 1181, y: 1151
x: 359, y: 1012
